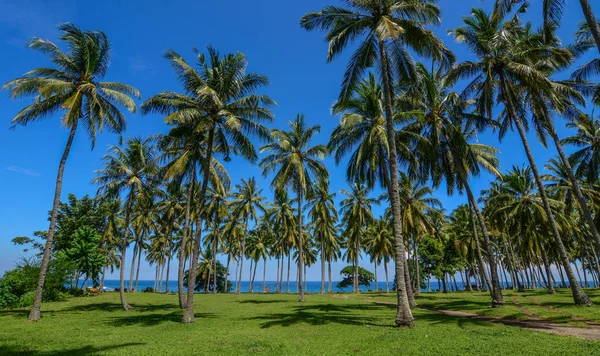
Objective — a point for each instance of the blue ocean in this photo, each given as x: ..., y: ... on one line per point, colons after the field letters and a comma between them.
x: 311, y: 287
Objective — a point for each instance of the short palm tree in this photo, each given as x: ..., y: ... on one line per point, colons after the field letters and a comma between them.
x: 132, y: 169
x: 282, y: 216
x: 247, y: 202
x: 379, y: 242
x: 385, y: 30
x: 75, y: 88
x: 323, y: 216
x: 297, y: 164
x: 219, y: 101
x: 357, y: 214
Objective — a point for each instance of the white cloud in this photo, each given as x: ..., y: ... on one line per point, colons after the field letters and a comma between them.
x: 21, y: 170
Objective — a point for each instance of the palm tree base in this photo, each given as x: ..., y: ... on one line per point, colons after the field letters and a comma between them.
x: 404, y: 324
x: 34, y: 315
x: 127, y: 307
x: 188, y: 317
x: 497, y: 304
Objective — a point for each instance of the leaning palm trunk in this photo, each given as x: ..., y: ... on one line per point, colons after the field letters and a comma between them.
x: 575, y: 184
x: 329, y: 286
x: 417, y: 272
x: 225, y: 290
x: 215, y: 242
x: 548, y: 271
x: 480, y: 264
x: 137, y: 272
x: 579, y: 296
x: 356, y: 252
x: 287, y: 287
x: 188, y: 315
x: 404, y: 315
x: 34, y: 314
x: 167, y: 277
x: 132, y: 270
x: 387, y: 283
x: 186, y: 227
x: 265, y: 275
x: 591, y: 21
x: 300, y: 247
x: 496, y: 291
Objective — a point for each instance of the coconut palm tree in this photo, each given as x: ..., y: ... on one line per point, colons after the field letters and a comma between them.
x: 386, y: 29
x: 132, y: 169
x: 245, y: 206
x: 74, y: 87
x: 507, y: 71
x: 219, y: 101
x: 297, y: 164
x: 356, y: 210
x: 323, y: 216
x: 217, y: 211
x: 379, y: 242
x: 282, y: 216
x: 445, y: 152
x: 587, y: 155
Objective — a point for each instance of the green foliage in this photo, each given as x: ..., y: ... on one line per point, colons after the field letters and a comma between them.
x: 7, y: 298
x: 431, y: 253
x: 201, y: 279
x: 364, y: 277
x: 85, y: 254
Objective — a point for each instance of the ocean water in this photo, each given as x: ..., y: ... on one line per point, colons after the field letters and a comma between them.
x: 311, y: 286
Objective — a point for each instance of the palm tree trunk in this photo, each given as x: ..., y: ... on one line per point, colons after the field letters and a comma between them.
x: 239, y: 285
x: 387, y: 283
x: 251, y: 278
x: 574, y: 183
x: 215, y: 242
x: 329, y: 287
x: 162, y: 274
x: 186, y: 228
x: 409, y: 291
x: 548, y: 271
x: 300, y: 246
x: 167, y: 276
x: 322, y: 264
x: 495, y: 290
x: 124, y: 249
x: 376, y: 281
x: 225, y: 290
x: 132, y: 270
x: 188, y: 315
x: 277, y: 285
x: 102, y: 280
x: 356, y: 253
x: 287, y: 287
x: 264, y: 275
x: 35, y: 314
x: 137, y: 272
x: 404, y: 317
x: 591, y: 21
x: 418, y: 273
x: 579, y: 295
x: 281, y: 272
x: 480, y: 263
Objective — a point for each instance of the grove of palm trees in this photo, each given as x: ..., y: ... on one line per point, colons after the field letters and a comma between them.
x: 401, y: 229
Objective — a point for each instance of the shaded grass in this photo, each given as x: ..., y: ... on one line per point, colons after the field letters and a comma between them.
x: 268, y: 324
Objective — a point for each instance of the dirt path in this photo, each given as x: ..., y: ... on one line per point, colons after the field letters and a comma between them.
x: 588, y: 322
x: 592, y: 332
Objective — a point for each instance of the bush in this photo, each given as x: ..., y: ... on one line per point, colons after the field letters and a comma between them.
x: 7, y: 298
x: 26, y: 300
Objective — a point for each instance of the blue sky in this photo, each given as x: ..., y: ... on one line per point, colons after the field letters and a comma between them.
x: 267, y: 31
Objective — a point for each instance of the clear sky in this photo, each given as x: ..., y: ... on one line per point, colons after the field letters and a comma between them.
x: 267, y: 31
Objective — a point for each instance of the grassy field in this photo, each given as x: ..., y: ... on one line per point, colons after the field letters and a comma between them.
x: 277, y: 324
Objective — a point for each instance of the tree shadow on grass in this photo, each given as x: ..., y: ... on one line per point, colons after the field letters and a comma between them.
x: 153, y: 319
x: 322, y: 314
x: 256, y: 301
x: 16, y: 313
x: 83, y: 350
x: 112, y: 307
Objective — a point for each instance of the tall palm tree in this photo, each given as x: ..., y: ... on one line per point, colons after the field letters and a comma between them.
x: 446, y: 153
x: 219, y: 101
x: 297, y: 164
x: 74, y: 87
x: 111, y: 234
x: 132, y: 169
x: 587, y: 142
x: 245, y: 206
x: 507, y: 71
x: 386, y: 29
x: 217, y: 211
x: 171, y: 209
x: 323, y: 216
x: 356, y: 209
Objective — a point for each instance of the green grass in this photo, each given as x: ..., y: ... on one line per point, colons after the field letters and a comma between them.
x: 274, y: 324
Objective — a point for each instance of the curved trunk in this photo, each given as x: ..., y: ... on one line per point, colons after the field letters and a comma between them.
x: 35, y: 314
x: 186, y: 228
x: 591, y: 21
x: 300, y: 248
x: 188, y: 315
x: 585, y: 210
x: 579, y: 297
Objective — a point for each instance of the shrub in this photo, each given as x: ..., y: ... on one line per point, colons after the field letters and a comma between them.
x: 7, y: 298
